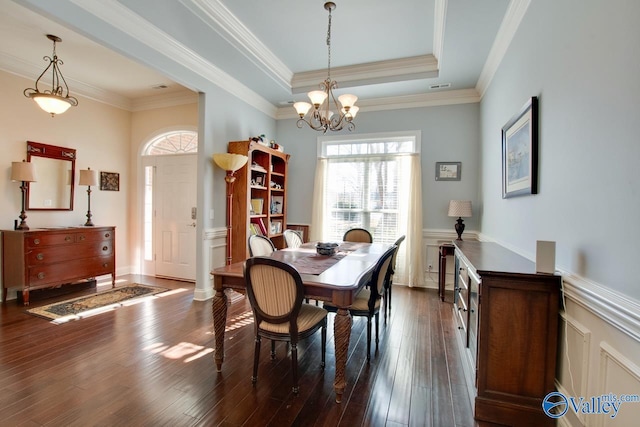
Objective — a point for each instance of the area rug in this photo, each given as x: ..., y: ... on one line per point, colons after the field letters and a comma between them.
x: 77, y: 308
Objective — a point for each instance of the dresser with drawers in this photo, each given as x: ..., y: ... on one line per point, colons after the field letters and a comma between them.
x: 45, y: 258
x: 507, y: 319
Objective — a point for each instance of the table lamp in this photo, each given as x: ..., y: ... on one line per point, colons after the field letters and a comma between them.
x: 231, y: 163
x: 88, y: 177
x: 460, y: 209
x: 23, y: 172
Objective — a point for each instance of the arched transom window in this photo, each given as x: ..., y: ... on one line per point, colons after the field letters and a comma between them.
x: 180, y: 142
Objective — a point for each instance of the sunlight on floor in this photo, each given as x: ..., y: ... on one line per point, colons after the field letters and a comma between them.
x: 240, y: 321
x: 180, y: 351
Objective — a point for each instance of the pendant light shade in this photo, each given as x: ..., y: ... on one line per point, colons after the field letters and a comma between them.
x: 57, y: 99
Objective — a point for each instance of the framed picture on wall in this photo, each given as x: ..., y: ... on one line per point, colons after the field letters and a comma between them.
x: 520, y: 152
x: 109, y: 181
x: 448, y: 171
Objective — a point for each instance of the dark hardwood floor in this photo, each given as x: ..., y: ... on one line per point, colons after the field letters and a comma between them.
x: 151, y: 364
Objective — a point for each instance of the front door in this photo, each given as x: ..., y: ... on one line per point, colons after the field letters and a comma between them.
x: 175, y: 216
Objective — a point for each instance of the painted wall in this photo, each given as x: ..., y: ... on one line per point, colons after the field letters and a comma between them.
x: 449, y: 133
x: 584, y: 68
x: 98, y: 132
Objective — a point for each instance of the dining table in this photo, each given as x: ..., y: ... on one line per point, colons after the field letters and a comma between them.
x: 336, y: 278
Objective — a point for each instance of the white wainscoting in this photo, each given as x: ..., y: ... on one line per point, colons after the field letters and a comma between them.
x: 599, y: 348
x: 214, y: 245
x: 431, y: 241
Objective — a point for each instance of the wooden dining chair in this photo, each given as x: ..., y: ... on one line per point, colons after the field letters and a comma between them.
x: 357, y: 235
x: 260, y: 246
x: 389, y: 279
x: 292, y: 239
x: 275, y: 292
x: 367, y: 302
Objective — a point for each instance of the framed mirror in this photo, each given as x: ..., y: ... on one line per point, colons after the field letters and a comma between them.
x: 55, y: 169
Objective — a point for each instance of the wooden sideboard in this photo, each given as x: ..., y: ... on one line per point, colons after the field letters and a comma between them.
x: 45, y: 258
x: 507, y: 318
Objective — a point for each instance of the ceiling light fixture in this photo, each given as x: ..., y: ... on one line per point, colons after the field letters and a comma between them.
x: 56, y: 100
x: 321, y: 117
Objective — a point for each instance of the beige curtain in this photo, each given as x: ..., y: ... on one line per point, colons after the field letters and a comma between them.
x: 318, y: 207
x: 409, y: 263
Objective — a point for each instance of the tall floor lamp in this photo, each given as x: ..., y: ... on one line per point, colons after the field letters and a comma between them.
x: 23, y: 172
x: 88, y: 177
x: 460, y: 209
x: 231, y: 163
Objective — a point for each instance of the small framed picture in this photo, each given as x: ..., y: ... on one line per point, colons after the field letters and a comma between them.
x: 109, y: 181
x: 277, y: 205
x: 520, y: 152
x: 448, y: 171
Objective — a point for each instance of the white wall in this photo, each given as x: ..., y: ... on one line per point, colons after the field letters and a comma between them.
x: 98, y: 132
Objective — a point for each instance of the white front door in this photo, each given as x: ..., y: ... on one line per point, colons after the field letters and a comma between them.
x: 175, y: 216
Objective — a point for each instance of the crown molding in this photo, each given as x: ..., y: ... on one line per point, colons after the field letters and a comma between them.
x: 439, y: 20
x: 512, y: 18
x: 164, y: 100
x: 217, y: 17
x: 122, y: 18
x: 393, y: 70
x: 452, y: 97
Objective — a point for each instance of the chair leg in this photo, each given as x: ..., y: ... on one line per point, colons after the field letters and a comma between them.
x: 389, y: 291
x: 324, y: 345
x: 273, y: 349
x: 368, y: 339
x: 385, y: 302
x: 377, y: 327
x: 294, y: 367
x: 256, y: 358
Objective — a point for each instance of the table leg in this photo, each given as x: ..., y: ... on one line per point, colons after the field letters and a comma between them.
x: 342, y: 334
x: 219, y: 321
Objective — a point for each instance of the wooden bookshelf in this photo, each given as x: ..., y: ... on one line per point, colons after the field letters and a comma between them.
x: 260, y: 185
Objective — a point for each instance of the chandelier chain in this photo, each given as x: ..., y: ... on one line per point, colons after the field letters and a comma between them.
x: 329, y: 48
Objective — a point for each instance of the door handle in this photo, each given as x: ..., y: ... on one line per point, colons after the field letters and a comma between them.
x: 193, y: 224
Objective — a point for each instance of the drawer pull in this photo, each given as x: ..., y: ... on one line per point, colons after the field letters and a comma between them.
x: 67, y: 239
x: 40, y: 275
x: 105, y: 265
x: 107, y: 235
x: 36, y: 241
x: 40, y: 257
x: 105, y: 248
x: 82, y: 237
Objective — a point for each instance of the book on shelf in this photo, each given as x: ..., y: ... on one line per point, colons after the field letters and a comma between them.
x: 256, y: 206
x: 259, y: 225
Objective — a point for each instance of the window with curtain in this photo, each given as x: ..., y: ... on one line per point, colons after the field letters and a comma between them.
x: 371, y: 182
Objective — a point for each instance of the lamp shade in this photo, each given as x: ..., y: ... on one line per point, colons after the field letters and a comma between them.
x: 460, y: 208
x: 23, y: 171
x: 229, y: 161
x: 89, y: 177
x: 347, y: 100
x: 52, y: 104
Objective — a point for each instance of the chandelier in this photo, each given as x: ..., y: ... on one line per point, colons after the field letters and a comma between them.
x: 321, y: 116
x: 56, y: 100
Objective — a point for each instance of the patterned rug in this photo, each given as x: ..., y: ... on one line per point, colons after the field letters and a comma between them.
x: 80, y: 307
